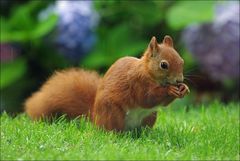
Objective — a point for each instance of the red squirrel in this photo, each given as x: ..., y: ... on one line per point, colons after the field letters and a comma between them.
x: 125, y: 98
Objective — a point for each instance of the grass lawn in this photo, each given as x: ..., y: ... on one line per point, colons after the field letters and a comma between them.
x: 203, y: 132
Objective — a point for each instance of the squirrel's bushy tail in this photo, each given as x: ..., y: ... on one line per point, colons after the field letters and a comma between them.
x: 71, y: 92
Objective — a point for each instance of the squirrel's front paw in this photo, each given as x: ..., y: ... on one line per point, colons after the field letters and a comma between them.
x: 183, y: 89
x: 173, y: 91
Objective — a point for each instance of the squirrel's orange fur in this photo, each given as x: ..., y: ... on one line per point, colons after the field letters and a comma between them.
x: 71, y: 92
x: 125, y: 98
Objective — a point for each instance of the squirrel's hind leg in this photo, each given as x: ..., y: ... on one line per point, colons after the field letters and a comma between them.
x: 149, y: 121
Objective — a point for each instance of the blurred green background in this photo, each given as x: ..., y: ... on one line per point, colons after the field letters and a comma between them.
x: 39, y: 37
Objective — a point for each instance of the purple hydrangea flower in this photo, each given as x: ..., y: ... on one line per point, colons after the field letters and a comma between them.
x: 74, y: 35
x: 8, y: 52
x: 216, y: 45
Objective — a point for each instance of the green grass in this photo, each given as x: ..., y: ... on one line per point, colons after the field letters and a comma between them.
x: 210, y: 132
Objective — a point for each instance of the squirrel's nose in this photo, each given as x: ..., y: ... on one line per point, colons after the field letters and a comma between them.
x: 180, y: 79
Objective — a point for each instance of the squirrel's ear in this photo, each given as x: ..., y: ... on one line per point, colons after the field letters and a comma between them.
x: 153, y: 46
x: 168, y: 41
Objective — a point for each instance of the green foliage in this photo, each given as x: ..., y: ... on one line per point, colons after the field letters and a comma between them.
x: 113, y: 45
x: 190, y: 62
x: 124, y: 30
x: 12, y: 71
x: 127, y: 26
x: 184, y: 13
x: 203, y: 133
x: 137, y: 13
x: 23, y: 25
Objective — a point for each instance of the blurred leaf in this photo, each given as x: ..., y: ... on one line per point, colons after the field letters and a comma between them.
x: 95, y: 61
x: 23, y: 25
x: 136, y: 13
x: 15, y: 36
x: 12, y: 71
x: 44, y: 27
x: 190, y: 61
x: 24, y: 16
x: 21, y: 18
x: 115, y: 43
x: 3, y: 23
x: 184, y: 13
x: 147, y: 14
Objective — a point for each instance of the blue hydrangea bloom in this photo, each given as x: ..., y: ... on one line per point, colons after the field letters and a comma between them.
x: 74, y: 35
x: 216, y: 45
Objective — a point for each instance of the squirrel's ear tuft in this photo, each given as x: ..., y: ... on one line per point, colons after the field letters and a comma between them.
x: 153, y: 46
x: 168, y: 41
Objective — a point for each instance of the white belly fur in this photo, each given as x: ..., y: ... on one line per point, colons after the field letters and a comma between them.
x: 134, y: 117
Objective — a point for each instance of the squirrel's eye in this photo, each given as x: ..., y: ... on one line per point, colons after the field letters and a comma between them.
x: 164, y: 65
